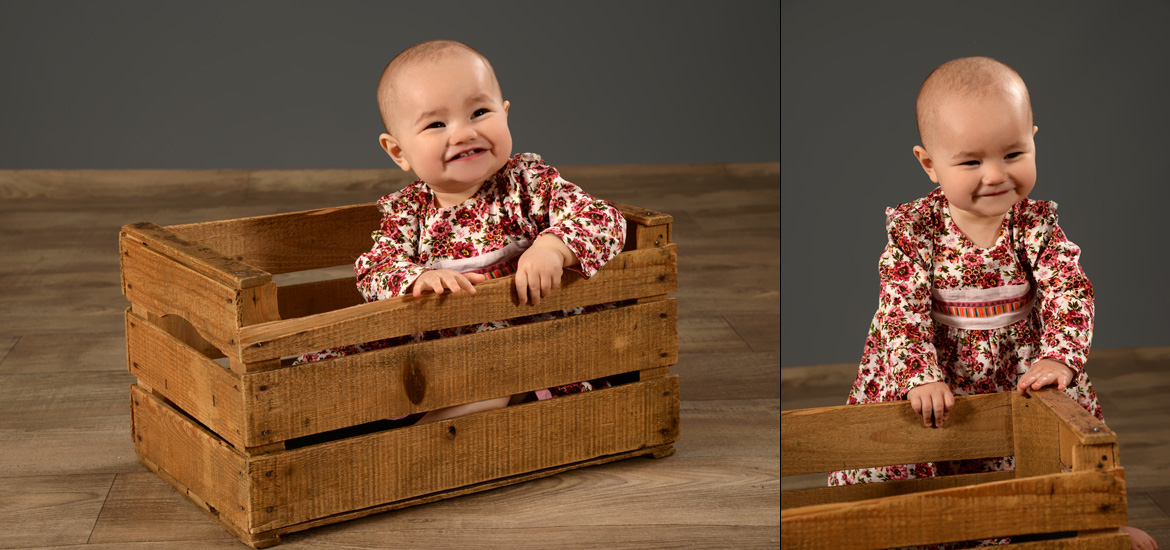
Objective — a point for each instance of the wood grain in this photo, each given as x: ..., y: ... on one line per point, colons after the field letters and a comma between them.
x: 632, y: 274
x: 295, y: 241
x: 346, y: 391
x: 1058, y: 502
x: 880, y: 434
x: 200, y: 387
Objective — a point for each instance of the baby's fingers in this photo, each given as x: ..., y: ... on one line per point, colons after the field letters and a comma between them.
x: 522, y: 286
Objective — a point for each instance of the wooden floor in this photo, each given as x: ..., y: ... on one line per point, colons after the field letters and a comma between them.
x: 69, y: 477
x: 1131, y: 384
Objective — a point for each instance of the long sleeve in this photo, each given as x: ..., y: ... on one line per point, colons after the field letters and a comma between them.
x: 904, y: 325
x: 390, y: 267
x: 593, y: 229
x: 1065, y: 295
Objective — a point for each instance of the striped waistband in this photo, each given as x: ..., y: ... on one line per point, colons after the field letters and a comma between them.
x: 983, y: 309
x: 502, y: 271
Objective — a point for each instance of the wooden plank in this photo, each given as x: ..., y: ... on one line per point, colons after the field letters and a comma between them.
x: 313, y: 482
x: 200, y: 387
x: 346, y: 391
x: 1036, y: 434
x: 881, y: 434
x: 199, y: 257
x: 630, y: 275
x: 640, y: 237
x: 306, y: 299
x: 294, y: 241
x: 1077, y: 420
x: 1041, y: 504
x: 642, y: 216
x: 163, y: 286
x: 203, y: 463
x: 864, y: 491
x: 666, y: 450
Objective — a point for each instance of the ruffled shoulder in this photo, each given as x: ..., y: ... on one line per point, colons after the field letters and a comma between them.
x: 1031, y: 226
x: 410, y: 200
x: 529, y: 171
x: 912, y: 226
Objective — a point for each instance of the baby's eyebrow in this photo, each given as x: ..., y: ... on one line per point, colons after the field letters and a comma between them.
x: 1009, y: 147
x: 429, y: 114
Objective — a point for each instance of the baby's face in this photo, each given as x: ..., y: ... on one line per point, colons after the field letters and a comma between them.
x: 982, y: 154
x: 450, y: 125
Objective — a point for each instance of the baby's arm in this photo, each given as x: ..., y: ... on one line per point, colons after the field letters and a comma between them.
x: 903, y: 327
x: 389, y: 268
x: 1065, y: 297
x: 593, y: 230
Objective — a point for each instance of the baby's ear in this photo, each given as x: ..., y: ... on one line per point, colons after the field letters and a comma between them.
x: 392, y: 148
x: 926, y: 162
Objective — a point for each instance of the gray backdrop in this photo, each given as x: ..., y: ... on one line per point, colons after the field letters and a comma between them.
x: 1098, y: 73
x: 290, y: 84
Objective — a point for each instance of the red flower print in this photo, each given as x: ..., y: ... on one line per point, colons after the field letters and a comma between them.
x: 462, y: 250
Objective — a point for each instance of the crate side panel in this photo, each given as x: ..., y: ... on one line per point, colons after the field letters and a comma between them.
x: 1036, y: 434
x: 882, y: 434
x: 206, y: 465
x: 296, y: 241
x: 210, y: 393
x: 165, y: 287
x: 304, y: 484
x: 1043, y: 504
x: 630, y: 275
x: 304, y: 299
x: 336, y: 393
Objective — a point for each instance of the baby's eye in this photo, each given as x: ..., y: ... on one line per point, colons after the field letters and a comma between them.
x: 1014, y: 155
x: 435, y: 125
x: 479, y: 112
x: 970, y: 163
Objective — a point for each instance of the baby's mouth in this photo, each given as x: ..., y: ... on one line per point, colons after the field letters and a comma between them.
x: 465, y: 154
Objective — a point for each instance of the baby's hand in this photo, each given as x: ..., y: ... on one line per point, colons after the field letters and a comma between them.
x: 539, y: 269
x: 933, y: 399
x: 437, y: 279
x: 1045, y: 372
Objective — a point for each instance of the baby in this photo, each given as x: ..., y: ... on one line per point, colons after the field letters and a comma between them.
x: 476, y: 212
x: 980, y: 290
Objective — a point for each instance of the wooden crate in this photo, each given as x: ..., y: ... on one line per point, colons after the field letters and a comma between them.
x: 1067, y: 478
x: 219, y: 310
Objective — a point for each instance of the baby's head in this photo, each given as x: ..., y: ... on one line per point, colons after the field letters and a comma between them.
x: 445, y: 116
x: 975, y: 123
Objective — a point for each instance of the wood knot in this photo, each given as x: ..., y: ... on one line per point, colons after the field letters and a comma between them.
x: 414, y: 381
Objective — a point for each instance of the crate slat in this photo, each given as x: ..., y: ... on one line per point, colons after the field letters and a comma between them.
x: 294, y: 241
x: 633, y: 274
x: 348, y: 474
x: 863, y: 491
x: 1058, y: 502
x: 203, y: 463
x: 345, y: 391
x: 882, y: 434
x: 260, y: 494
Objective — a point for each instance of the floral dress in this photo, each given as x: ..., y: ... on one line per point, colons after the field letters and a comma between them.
x: 485, y: 234
x: 974, y: 318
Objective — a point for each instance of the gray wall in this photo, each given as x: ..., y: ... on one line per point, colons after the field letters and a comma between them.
x: 1098, y: 73
x: 290, y: 84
